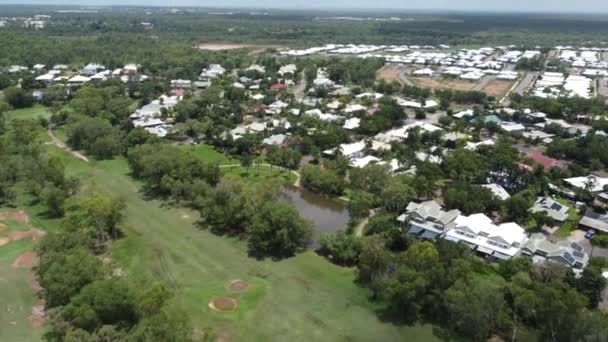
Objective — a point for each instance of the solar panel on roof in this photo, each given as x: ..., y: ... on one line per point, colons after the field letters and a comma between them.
x: 556, y: 206
x: 578, y: 254
x: 576, y: 246
x: 569, y: 258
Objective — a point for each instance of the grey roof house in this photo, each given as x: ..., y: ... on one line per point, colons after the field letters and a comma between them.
x: 593, y: 220
x: 555, y: 210
x: 565, y: 252
x: 427, y: 220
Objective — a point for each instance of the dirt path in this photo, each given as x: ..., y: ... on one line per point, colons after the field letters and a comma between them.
x: 361, y: 226
x: 294, y: 172
x: 298, y: 91
x: 55, y: 141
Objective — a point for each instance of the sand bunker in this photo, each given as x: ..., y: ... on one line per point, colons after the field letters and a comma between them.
x: 4, y: 241
x: 34, y: 234
x: 223, y: 304
x: 18, y: 216
x: 238, y: 285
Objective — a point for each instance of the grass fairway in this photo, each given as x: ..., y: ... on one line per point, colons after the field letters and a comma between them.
x: 304, y: 298
x: 17, y: 297
x: 35, y: 112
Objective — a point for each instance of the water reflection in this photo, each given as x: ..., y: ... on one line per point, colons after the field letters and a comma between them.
x: 326, y: 214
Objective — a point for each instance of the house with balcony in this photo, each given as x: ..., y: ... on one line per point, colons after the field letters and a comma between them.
x: 501, y: 242
x: 427, y: 220
x: 565, y: 252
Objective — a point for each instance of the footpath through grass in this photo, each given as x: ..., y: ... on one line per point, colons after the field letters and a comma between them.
x: 304, y: 298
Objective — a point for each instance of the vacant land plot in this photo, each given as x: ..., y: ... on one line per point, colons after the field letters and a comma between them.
x: 497, y: 88
x: 389, y: 73
x: 304, y: 298
x: 440, y: 83
x: 230, y: 46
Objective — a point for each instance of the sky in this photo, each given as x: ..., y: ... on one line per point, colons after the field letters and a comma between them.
x: 591, y: 6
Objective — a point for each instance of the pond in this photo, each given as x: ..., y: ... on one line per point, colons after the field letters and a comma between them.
x: 327, y: 215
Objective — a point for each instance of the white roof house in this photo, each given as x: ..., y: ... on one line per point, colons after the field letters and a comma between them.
x: 424, y: 72
x: 354, y: 150
x: 363, y: 161
x: 352, y: 123
x: 351, y: 108
x: 498, y: 191
x: 79, y: 79
x: 464, y: 113
x: 479, y: 233
x: 213, y: 71
x: 592, y: 183
x: 45, y: 78
x: 276, y: 139
x: 288, y: 69
x: 256, y: 67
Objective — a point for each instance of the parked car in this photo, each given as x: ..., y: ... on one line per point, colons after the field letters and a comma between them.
x: 590, y: 233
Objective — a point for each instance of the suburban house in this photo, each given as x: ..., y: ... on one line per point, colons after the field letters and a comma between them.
x: 593, y: 220
x: 481, y: 235
x: 555, y: 210
x: 565, y: 252
x: 592, y: 183
x: 427, y: 220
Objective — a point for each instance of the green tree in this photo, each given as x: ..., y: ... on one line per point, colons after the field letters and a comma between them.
x: 373, y: 263
x: 477, y: 310
x: 341, y: 248
x: 278, y: 230
x: 63, y: 274
x: 18, y: 98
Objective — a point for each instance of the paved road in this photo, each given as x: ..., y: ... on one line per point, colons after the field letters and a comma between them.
x: 403, y: 78
x: 526, y: 82
x: 483, y: 82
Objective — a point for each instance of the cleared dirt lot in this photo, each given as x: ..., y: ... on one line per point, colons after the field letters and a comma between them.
x: 389, y: 73
x: 497, y: 88
x: 438, y: 83
x: 231, y: 46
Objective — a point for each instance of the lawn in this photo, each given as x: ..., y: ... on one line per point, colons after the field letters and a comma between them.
x: 571, y: 223
x: 35, y: 112
x: 209, y: 154
x: 18, y: 297
x: 304, y: 298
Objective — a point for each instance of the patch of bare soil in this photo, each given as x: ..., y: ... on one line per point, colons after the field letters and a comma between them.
x: 2, y: 227
x: 389, y: 73
x: 34, y: 234
x: 238, y: 285
x: 18, y: 216
x: 497, y: 88
x: 38, y: 316
x: 439, y: 83
x: 223, y: 304
x: 28, y: 259
x: 4, y: 241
